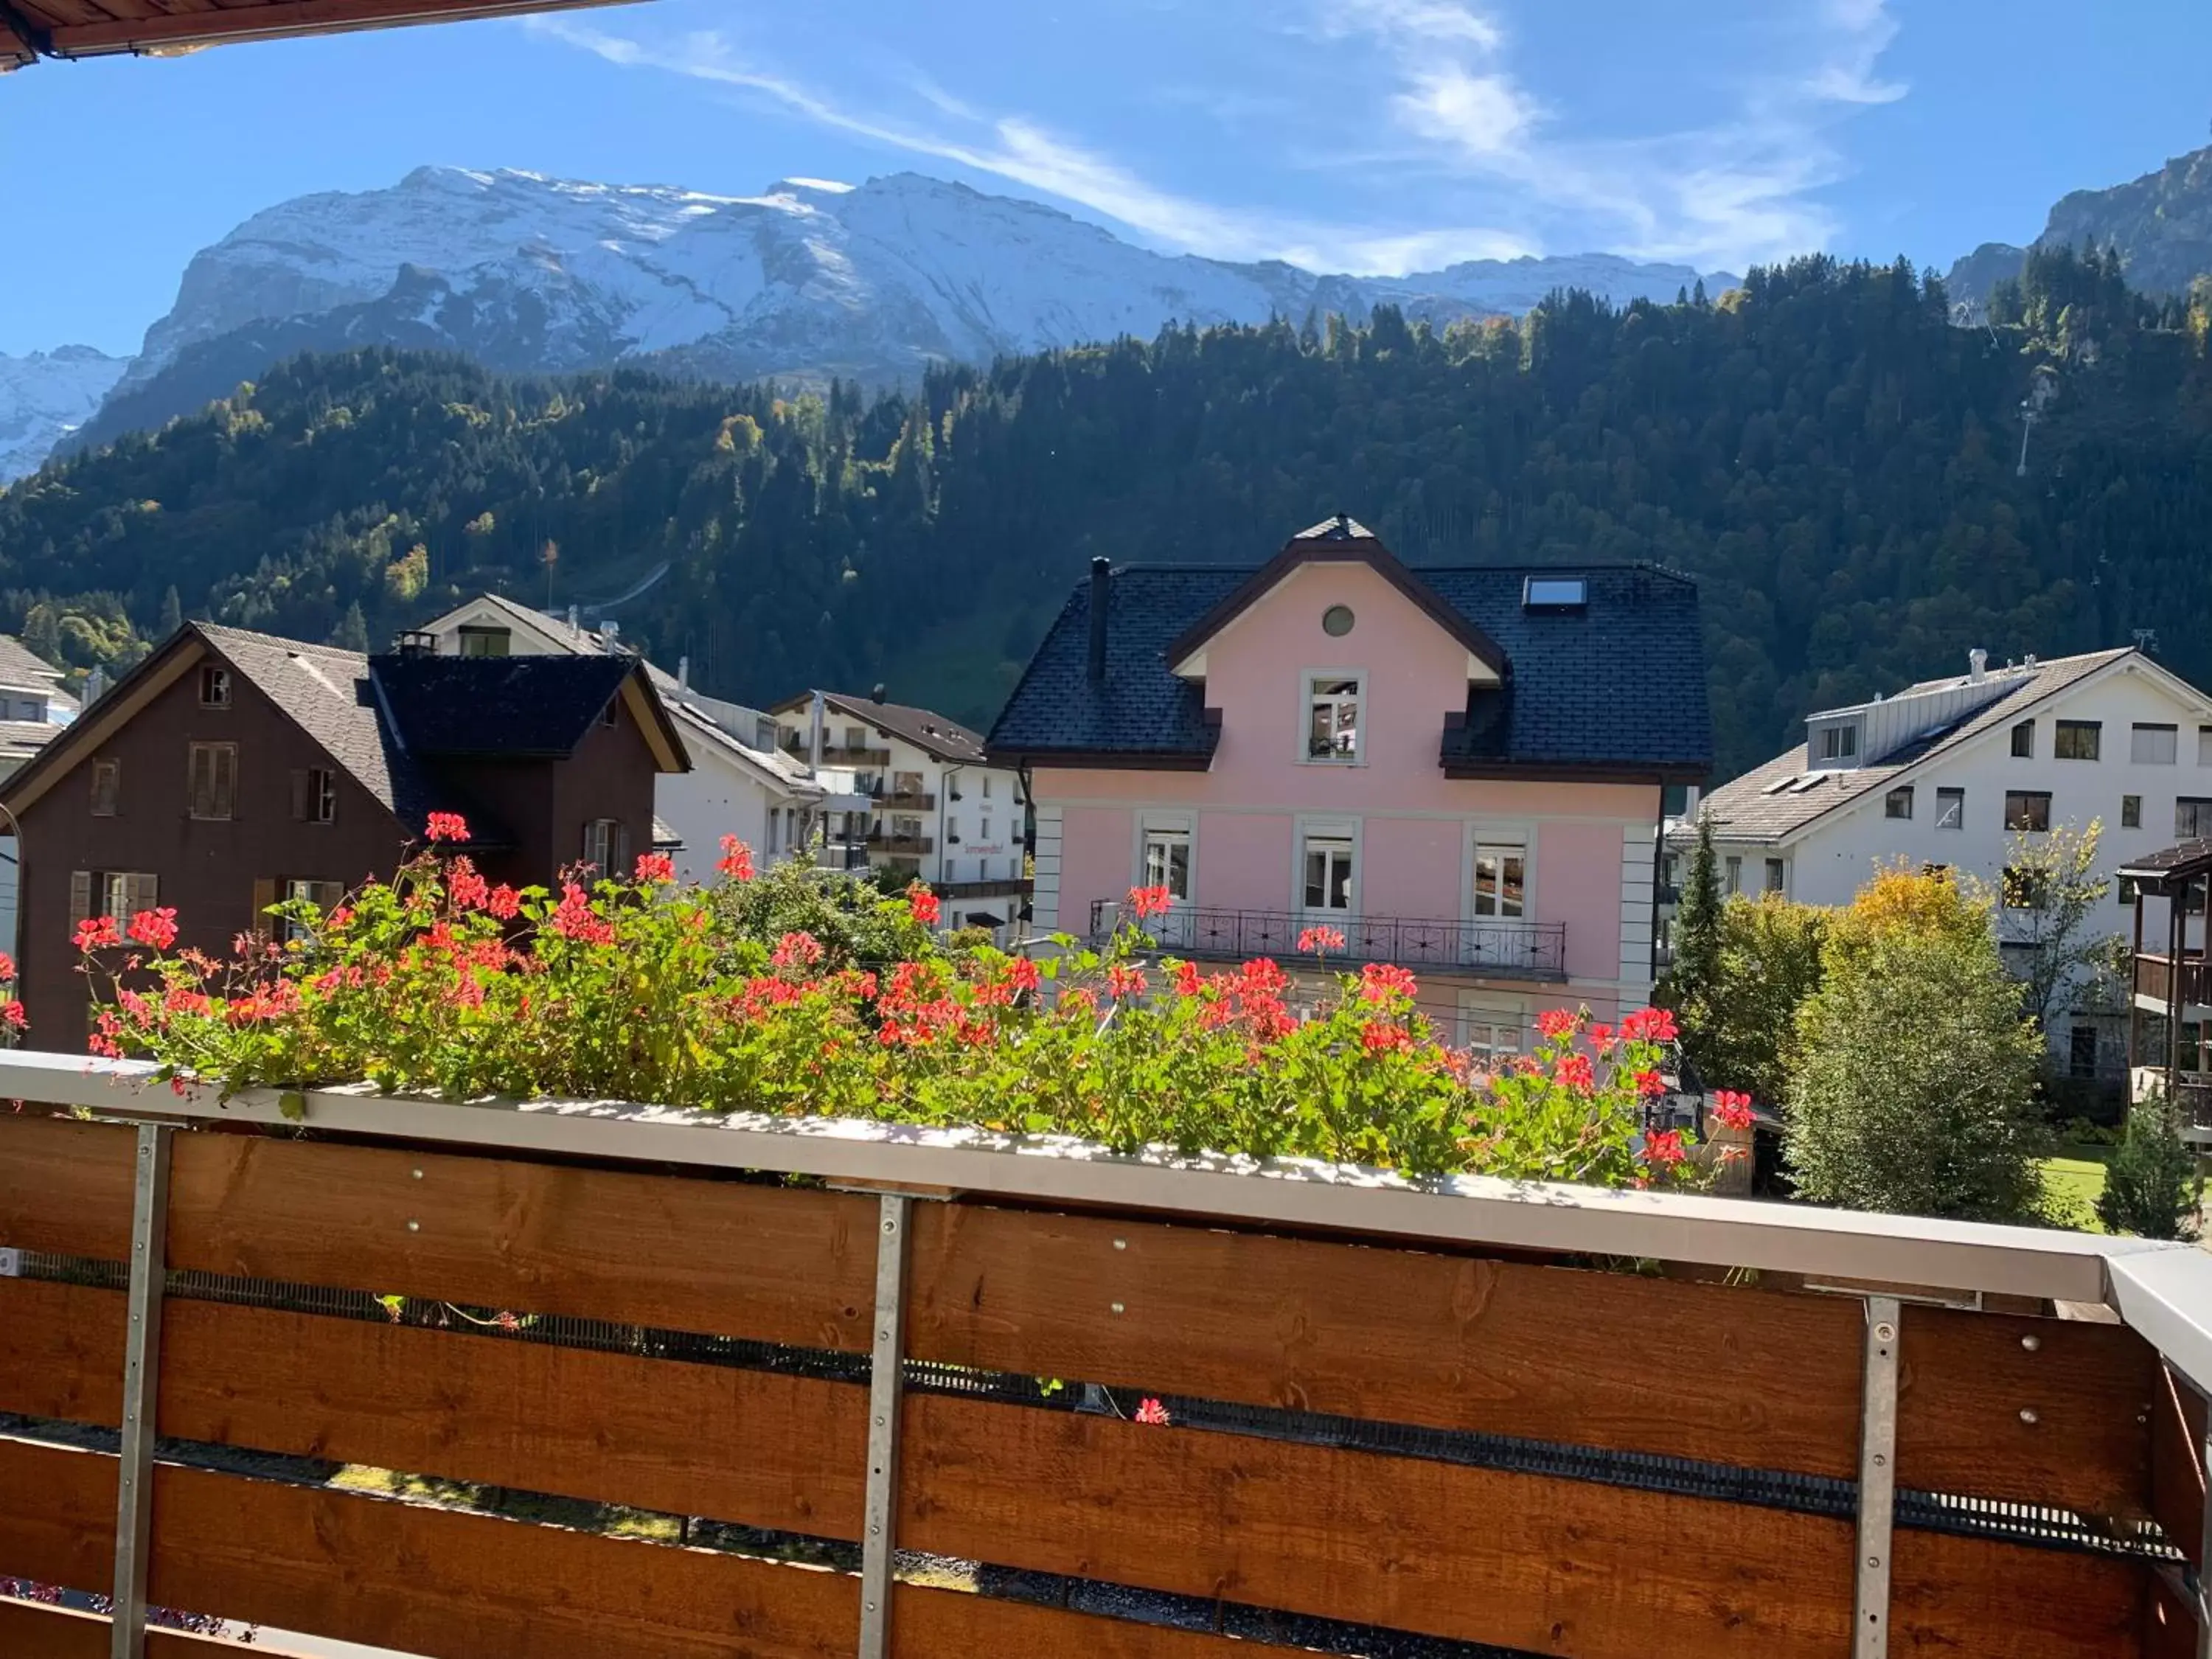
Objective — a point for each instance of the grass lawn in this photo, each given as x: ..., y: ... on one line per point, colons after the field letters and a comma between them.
x: 2078, y: 1173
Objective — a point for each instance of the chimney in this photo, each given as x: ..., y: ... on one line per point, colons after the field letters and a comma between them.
x: 610, y: 636
x: 1977, y: 666
x: 877, y: 693
x: 576, y: 620
x: 683, y: 673
x: 1102, y: 591
x: 815, y: 710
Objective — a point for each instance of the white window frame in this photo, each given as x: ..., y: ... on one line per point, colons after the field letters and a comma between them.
x: 1325, y: 827
x: 1165, y: 824
x: 1487, y: 1011
x: 1731, y: 874
x: 1959, y: 820
x: 1308, y: 697
x: 2155, y: 731
x: 1497, y: 838
x: 2204, y: 746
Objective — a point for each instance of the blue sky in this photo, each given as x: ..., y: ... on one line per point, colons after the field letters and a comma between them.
x: 1371, y: 134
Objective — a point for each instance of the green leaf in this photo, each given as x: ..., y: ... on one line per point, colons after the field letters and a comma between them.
x: 294, y: 1105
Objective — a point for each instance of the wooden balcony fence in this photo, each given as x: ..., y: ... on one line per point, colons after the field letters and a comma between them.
x: 2153, y: 978
x: 1392, y: 1407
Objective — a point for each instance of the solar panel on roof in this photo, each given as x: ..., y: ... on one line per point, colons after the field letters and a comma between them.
x: 1811, y: 780
x: 1779, y: 785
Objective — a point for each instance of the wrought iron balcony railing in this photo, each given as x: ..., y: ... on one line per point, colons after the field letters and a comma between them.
x: 1525, y: 949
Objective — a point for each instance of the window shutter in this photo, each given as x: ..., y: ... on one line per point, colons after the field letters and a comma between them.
x: 80, y: 895
x: 265, y: 896
x: 300, y: 794
x: 202, y: 806
x: 226, y: 787
x: 621, y: 853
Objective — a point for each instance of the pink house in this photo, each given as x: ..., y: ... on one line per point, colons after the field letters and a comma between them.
x: 1459, y: 770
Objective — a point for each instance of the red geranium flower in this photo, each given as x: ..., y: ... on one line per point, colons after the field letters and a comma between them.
x: 737, y: 860
x: 468, y: 890
x: 1382, y: 1037
x: 655, y: 869
x: 922, y: 905
x: 1574, y: 1072
x: 1123, y: 981
x: 1151, y: 1411
x: 1150, y: 901
x: 1732, y: 1110
x: 1648, y: 1026
x: 155, y: 927
x: 1379, y: 981
x: 798, y: 949
x: 504, y: 903
x: 1188, y: 981
x: 1554, y: 1024
x: 1318, y: 940
x: 1663, y: 1149
x: 1651, y: 1082
x: 447, y: 826
x: 1022, y: 974
x: 97, y: 933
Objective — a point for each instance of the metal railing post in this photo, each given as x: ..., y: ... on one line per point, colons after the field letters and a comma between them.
x: 1877, y: 1478
x: 879, y: 1517
x: 142, y: 1357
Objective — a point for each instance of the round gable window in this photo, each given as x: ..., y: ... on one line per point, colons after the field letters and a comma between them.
x: 1336, y: 621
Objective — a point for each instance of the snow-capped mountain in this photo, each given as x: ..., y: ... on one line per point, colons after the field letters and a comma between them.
x: 45, y: 397
x: 810, y: 279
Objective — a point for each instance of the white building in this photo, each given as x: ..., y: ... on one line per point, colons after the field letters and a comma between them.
x: 926, y: 803
x: 1948, y: 772
x: 740, y: 784
x: 33, y: 707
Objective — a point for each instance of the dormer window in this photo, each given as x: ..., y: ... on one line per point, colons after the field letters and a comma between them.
x: 1554, y: 594
x: 215, y: 687
x: 1333, y: 723
x: 1839, y: 743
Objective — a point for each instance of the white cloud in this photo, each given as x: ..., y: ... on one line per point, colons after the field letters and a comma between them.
x: 1739, y: 190
x: 1485, y: 115
x: 1429, y: 19
x: 1019, y: 150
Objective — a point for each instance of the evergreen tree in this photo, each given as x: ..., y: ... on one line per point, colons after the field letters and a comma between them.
x: 172, y: 617
x: 1695, y: 973
x: 2152, y: 1185
x: 352, y: 632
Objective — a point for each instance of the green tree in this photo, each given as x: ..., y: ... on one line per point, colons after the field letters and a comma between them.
x: 1770, y: 962
x: 1913, y: 1088
x: 2052, y: 893
x: 2152, y: 1185
x: 1695, y: 974
x: 172, y: 613
x: 352, y: 632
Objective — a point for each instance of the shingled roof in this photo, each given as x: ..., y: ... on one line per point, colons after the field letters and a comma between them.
x: 327, y: 693
x: 1758, y: 806
x: 1616, y: 687
x: 925, y: 729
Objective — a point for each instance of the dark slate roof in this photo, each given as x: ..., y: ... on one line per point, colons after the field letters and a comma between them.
x: 925, y: 729
x: 1617, y: 686
x: 1743, y: 810
x: 538, y: 705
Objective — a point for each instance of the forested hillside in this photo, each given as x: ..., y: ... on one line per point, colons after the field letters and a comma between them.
x: 1832, y: 457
